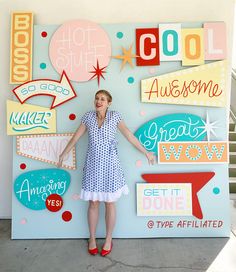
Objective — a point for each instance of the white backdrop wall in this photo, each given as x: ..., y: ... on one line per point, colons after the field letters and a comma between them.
x: 103, y: 11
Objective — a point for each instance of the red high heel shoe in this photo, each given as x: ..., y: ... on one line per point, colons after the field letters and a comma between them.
x: 106, y: 252
x: 93, y: 251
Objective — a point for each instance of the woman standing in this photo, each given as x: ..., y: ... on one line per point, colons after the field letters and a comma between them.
x: 103, y: 178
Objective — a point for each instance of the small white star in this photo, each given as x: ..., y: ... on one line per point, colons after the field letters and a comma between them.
x: 208, y: 127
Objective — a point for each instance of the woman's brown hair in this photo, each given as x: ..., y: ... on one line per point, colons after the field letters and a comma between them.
x: 106, y: 93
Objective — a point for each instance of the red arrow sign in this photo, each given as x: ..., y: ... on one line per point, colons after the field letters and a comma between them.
x: 62, y: 90
x: 197, y: 179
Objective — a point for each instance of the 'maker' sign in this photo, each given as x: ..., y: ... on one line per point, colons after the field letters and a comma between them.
x: 29, y: 119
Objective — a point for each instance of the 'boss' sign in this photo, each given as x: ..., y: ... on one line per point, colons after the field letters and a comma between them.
x: 21, y: 47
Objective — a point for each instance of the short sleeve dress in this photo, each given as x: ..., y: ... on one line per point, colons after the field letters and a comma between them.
x: 103, y: 177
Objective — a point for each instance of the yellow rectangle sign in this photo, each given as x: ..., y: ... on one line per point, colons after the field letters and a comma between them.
x: 192, y: 152
x: 192, y: 46
x: 21, y: 47
x: 29, y: 119
x: 204, y: 85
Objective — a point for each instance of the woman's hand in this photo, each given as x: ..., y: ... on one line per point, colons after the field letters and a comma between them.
x: 61, y: 158
x: 151, y: 157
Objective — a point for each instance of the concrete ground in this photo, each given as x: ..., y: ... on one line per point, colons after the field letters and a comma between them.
x: 128, y: 255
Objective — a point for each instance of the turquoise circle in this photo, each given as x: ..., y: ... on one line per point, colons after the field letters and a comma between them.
x: 216, y: 190
x: 43, y: 65
x: 130, y: 80
x: 119, y: 35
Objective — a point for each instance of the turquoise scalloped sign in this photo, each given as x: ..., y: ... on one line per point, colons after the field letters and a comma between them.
x: 179, y: 127
x: 33, y: 187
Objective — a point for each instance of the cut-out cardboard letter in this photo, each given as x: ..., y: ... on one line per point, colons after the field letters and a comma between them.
x: 21, y: 47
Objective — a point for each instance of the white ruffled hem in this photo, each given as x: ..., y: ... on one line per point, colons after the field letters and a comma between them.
x: 103, y: 196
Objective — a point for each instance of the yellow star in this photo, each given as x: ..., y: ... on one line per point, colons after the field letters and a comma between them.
x: 126, y: 57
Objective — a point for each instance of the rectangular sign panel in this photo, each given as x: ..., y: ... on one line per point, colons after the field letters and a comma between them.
x: 199, y: 86
x: 29, y: 119
x: 21, y: 47
x: 170, y: 42
x: 193, y: 152
x: 164, y: 199
x: 192, y: 46
x: 46, y: 148
x: 215, y: 40
x: 147, y: 46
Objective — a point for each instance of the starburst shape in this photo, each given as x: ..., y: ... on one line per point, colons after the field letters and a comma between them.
x: 98, y: 72
x: 126, y: 57
x: 208, y: 127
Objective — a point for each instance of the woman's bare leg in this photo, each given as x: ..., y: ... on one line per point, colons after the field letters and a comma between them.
x: 93, y: 212
x: 110, y: 218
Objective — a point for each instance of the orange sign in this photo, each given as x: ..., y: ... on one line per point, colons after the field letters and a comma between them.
x: 21, y: 47
x: 193, y: 152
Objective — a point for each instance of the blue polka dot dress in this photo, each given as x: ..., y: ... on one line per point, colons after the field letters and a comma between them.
x: 103, y: 177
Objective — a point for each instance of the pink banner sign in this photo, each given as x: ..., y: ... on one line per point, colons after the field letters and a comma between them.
x: 46, y: 148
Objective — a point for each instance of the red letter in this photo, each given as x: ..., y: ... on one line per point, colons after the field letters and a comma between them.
x: 147, y: 46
